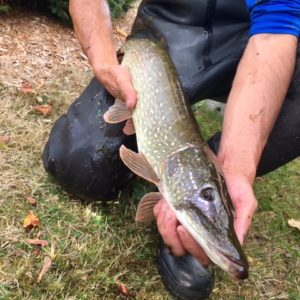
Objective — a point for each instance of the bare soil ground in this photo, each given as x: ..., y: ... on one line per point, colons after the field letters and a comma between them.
x: 96, y: 250
x: 36, y: 48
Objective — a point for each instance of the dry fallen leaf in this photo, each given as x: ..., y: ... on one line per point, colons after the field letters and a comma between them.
x: 45, y: 109
x: 41, y: 84
x: 26, y: 87
x: 250, y: 259
x: 31, y: 200
x: 123, y: 289
x: 39, y: 99
x: 31, y: 221
x: 4, y: 139
x: 83, y: 55
x: 294, y: 223
x: 121, y: 32
x: 42, y: 243
x: 46, y: 267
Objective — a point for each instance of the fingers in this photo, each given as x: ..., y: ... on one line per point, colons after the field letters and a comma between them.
x: 192, y: 246
x: 118, y: 81
x: 245, y: 203
x: 127, y: 91
x: 175, y: 236
x: 167, y: 227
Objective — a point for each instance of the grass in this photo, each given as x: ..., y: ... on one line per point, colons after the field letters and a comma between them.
x: 95, y: 247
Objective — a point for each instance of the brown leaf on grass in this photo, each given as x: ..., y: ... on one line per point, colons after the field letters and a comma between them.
x: 26, y: 87
x: 294, y: 223
x: 4, y: 139
x: 83, y: 55
x: 31, y: 221
x: 31, y: 200
x: 123, y: 289
x: 46, y: 267
x: 42, y: 243
x: 39, y: 99
x: 121, y: 32
x: 45, y: 109
x: 40, y: 84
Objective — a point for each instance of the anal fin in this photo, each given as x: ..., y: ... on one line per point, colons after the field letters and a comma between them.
x: 138, y: 164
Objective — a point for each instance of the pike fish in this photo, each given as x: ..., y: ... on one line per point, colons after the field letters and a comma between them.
x: 174, y: 156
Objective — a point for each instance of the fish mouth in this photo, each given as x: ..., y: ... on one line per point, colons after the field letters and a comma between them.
x: 236, y: 265
x: 238, y: 268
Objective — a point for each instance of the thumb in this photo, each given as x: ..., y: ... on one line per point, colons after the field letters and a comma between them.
x: 128, y: 93
x: 130, y: 96
x: 245, y: 208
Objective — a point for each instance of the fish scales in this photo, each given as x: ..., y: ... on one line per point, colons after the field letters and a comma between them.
x: 161, y: 117
x: 173, y: 155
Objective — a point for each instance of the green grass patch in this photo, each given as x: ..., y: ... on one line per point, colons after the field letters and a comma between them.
x: 94, y: 247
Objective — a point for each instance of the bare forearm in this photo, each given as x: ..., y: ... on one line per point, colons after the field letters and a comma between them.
x: 93, y: 27
x: 258, y: 92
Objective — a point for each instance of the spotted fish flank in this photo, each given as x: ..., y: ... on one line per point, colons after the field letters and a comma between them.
x: 173, y: 155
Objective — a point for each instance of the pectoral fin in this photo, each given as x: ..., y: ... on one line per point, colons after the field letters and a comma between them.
x: 138, y: 164
x: 144, y: 210
x: 213, y: 159
x: 117, y: 113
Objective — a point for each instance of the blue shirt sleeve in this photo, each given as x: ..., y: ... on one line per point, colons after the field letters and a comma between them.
x: 274, y: 16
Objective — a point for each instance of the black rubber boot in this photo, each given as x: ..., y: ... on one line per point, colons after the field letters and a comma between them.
x: 82, y: 152
x: 184, y: 277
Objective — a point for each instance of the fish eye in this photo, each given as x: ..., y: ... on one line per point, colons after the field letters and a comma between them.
x: 207, y: 194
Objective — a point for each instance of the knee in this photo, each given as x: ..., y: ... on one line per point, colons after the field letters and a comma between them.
x: 82, y: 152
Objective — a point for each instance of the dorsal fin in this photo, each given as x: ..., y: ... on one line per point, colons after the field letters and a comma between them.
x: 117, y: 113
x: 138, y: 164
x: 144, y: 210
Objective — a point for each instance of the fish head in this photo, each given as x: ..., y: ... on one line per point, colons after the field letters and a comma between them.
x: 199, y: 197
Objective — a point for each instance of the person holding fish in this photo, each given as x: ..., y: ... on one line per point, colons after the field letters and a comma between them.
x: 241, y: 52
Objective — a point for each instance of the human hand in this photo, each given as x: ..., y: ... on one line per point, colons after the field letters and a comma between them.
x: 175, y: 236
x: 95, y: 34
x: 180, y: 241
x: 117, y: 80
x: 244, y: 201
